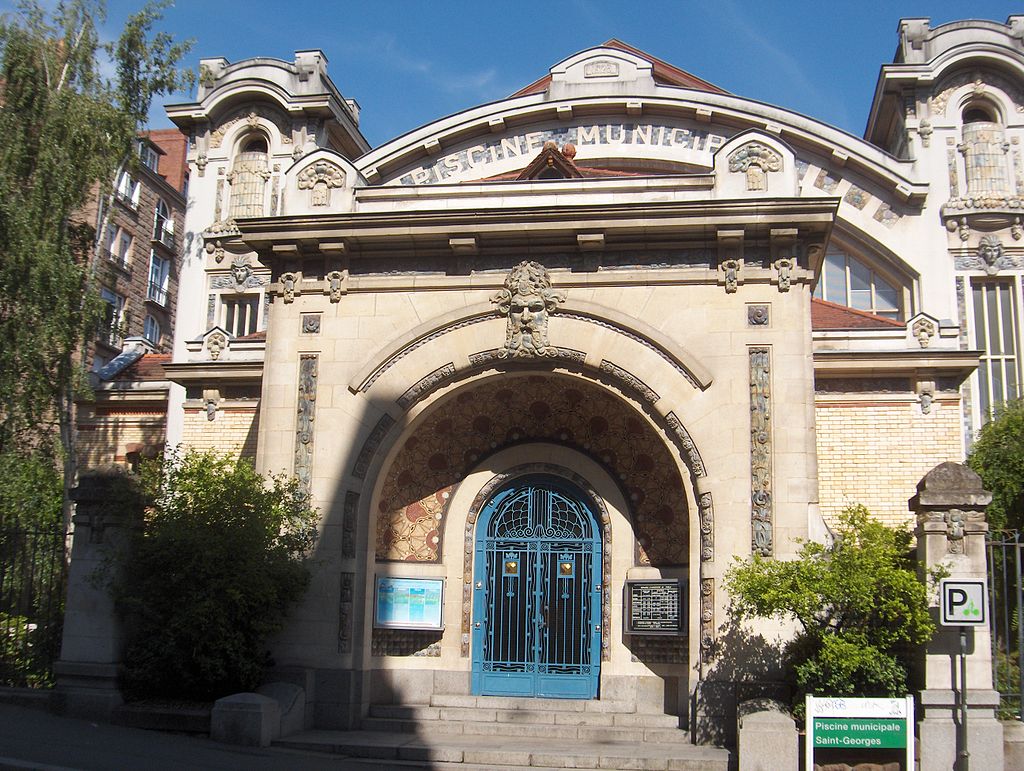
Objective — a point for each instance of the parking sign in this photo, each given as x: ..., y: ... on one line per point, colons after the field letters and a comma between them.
x: 963, y: 602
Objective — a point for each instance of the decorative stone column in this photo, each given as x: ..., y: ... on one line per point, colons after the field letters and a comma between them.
x: 107, y: 502
x: 951, y: 527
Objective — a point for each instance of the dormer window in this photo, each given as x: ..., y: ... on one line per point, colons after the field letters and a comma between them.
x: 248, y: 178
x: 150, y: 158
x: 984, y: 149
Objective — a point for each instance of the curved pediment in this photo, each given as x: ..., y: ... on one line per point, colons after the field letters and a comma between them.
x: 652, y: 130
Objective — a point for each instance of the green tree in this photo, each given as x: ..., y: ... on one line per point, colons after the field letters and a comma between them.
x: 210, y: 575
x: 66, y: 130
x: 859, y: 604
x: 997, y: 456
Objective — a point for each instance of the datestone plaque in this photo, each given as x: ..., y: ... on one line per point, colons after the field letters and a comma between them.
x: 655, y: 607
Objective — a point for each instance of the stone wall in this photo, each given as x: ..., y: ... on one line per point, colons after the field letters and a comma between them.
x: 875, y: 452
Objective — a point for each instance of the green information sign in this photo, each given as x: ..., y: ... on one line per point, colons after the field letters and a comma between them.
x: 872, y: 733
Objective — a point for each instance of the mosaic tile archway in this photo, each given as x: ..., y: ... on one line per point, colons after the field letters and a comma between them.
x: 506, y: 410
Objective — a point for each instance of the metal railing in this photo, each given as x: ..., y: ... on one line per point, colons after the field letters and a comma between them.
x: 1005, y: 558
x: 157, y: 294
x: 32, y: 584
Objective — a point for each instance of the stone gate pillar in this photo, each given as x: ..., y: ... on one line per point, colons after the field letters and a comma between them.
x: 107, y: 503
x: 951, y: 527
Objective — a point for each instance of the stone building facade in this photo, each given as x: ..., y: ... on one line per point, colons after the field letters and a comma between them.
x: 621, y: 326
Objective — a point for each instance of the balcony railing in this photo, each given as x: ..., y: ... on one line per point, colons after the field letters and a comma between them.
x: 165, y: 237
x: 157, y: 294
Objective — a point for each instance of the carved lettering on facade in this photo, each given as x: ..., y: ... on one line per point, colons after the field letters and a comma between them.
x: 350, y: 513
x: 647, y: 393
x: 516, y: 147
x: 425, y: 384
x: 370, y: 446
x: 526, y: 301
x: 761, y: 451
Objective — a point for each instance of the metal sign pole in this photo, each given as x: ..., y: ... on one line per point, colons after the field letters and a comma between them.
x: 965, y: 756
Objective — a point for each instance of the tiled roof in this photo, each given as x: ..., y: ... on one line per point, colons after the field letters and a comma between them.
x: 149, y: 367
x: 261, y: 335
x: 664, y: 73
x: 826, y: 315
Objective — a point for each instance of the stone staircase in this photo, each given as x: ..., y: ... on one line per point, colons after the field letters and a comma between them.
x: 484, y: 732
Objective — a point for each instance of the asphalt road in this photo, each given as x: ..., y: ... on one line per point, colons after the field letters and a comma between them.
x: 34, y: 739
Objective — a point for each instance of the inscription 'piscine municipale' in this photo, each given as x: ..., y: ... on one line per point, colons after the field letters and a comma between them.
x: 528, y: 144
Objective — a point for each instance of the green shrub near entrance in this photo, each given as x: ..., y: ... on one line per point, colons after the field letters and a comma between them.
x: 210, y: 575
x: 859, y: 603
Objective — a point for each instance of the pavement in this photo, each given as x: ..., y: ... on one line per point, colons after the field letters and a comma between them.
x: 34, y: 739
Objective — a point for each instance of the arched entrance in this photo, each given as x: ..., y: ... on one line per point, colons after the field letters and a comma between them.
x: 537, y: 592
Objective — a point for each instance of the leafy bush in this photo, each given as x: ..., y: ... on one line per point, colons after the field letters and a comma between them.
x: 998, y: 458
x: 210, y: 575
x: 31, y: 491
x: 859, y: 604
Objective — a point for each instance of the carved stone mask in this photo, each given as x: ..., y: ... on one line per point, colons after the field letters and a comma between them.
x: 990, y: 251
x: 526, y: 300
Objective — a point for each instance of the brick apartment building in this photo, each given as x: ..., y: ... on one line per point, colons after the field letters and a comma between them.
x: 136, y: 263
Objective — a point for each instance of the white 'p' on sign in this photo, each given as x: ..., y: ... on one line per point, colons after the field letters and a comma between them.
x: 963, y: 602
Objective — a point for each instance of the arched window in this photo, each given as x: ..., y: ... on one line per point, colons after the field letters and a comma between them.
x: 248, y: 178
x: 848, y: 281
x: 163, y: 225
x: 984, y: 148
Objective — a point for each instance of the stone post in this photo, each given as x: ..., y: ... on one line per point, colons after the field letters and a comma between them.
x: 107, y: 503
x: 951, y: 527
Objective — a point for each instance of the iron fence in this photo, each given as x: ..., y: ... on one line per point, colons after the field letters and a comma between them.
x: 32, y: 583
x: 1005, y: 556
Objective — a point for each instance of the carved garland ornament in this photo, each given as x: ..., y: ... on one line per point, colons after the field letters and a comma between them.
x: 755, y: 160
x: 761, y: 451
x: 526, y: 300
x: 308, y: 372
x: 320, y: 178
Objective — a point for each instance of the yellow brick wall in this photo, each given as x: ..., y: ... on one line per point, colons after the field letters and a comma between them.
x: 875, y: 453
x: 233, y: 430
x: 102, y: 442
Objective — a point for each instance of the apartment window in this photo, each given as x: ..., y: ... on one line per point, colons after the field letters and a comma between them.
x: 128, y: 190
x: 848, y: 281
x: 159, y: 273
x: 151, y: 330
x: 995, y: 334
x: 110, y: 331
x: 240, y: 313
x: 117, y: 245
x: 248, y: 179
x: 163, y: 225
x: 150, y: 158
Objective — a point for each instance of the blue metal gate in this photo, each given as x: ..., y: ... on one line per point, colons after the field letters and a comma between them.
x: 537, y: 593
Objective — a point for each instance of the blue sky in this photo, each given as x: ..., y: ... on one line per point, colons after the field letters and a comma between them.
x: 409, y: 62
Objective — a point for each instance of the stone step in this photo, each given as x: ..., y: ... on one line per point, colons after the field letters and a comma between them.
x: 513, y: 702
x: 535, y: 730
x: 500, y: 753
x: 519, y: 716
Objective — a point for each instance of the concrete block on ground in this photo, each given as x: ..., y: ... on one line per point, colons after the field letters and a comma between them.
x: 1013, y: 744
x: 247, y: 719
x: 292, y: 701
x: 767, y: 737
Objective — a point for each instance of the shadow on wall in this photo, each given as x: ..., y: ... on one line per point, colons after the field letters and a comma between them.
x: 744, y: 666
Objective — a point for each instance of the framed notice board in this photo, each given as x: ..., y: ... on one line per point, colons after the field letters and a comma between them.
x: 655, y: 607
x: 408, y: 603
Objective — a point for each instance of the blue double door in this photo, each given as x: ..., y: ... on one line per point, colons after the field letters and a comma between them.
x: 537, y: 592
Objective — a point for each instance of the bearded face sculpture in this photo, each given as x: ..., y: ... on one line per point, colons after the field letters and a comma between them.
x: 526, y: 300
